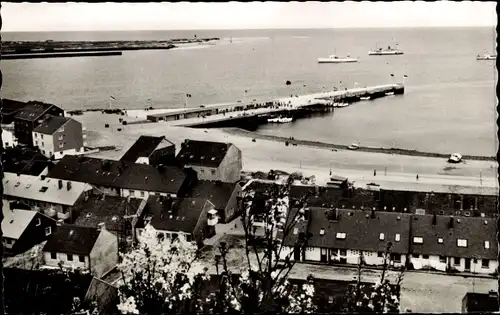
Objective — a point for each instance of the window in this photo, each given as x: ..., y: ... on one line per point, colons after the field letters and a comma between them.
x: 36, y: 134
x: 418, y: 240
x: 41, y: 136
x: 70, y: 257
x: 142, y: 194
x: 486, y: 244
x: 381, y: 236
x: 17, y: 184
x: 425, y: 256
x: 213, y: 172
x: 44, y: 189
x: 81, y: 258
x: 38, y: 222
x: 485, y: 263
x: 174, y: 236
x: 43, y: 144
x: 43, y: 151
x: 322, y: 232
x: 398, y: 237
x: 131, y: 192
x: 295, y: 230
x: 36, y: 142
x: 461, y: 243
x: 440, y: 240
x: 202, y: 171
x: 340, y: 236
x: 442, y: 259
x: 9, y: 241
x: 61, y: 144
x: 396, y: 258
x: 61, y: 152
x: 330, y: 299
x: 188, y: 238
x: 456, y: 261
x: 48, y: 231
x: 53, y: 256
x: 415, y: 255
x: 343, y: 252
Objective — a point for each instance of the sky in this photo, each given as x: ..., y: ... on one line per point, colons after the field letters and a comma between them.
x: 27, y: 17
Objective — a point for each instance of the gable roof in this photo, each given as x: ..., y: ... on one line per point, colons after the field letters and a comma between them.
x: 24, y: 161
x: 202, y: 153
x: 52, y: 124
x: 468, y: 228
x: 72, y: 239
x: 165, y: 179
x: 11, y: 106
x: 144, y: 147
x: 107, y: 209
x: 217, y: 192
x: 184, y: 219
x: 33, y: 111
x: 362, y: 231
x: 15, y: 222
x: 32, y: 187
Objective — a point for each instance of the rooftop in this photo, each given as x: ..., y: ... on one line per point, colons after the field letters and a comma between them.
x: 11, y: 106
x: 24, y: 161
x: 217, y: 192
x: 46, y: 190
x: 51, y: 125
x: 33, y: 110
x: 164, y: 179
x: 15, y: 222
x: 481, y: 302
x: 72, y: 239
x: 144, y: 147
x: 202, y: 153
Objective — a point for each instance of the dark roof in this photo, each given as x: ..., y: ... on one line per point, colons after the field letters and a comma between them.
x: 11, y: 106
x: 144, y: 146
x: 217, y: 192
x: 203, y: 153
x: 260, y: 187
x: 165, y: 179
x: 72, y: 239
x: 104, y: 208
x: 51, y: 124
x: 184, y: 219
x: 474, y: 230
x: 87, y: 170
x: 335, y: 197
x: 33, y: 110
x: 362, y: 231
x: 481, y: 302
x: 24, y: 161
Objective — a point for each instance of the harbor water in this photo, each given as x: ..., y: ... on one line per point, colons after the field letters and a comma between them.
x: 449, y: 103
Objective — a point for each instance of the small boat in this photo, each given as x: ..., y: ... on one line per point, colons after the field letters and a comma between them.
x: 365, y: 98
x: 486, y: 57
x: 337, y: 59
x: 384, y: 52
x: 280, y: 120
x: 389, y: 93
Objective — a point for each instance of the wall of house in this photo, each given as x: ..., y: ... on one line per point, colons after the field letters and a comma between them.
x: 432, y: 262
x: 231, y: 210
x: 104, y: 254
x: 231, y: 166
x: 142, y: 160
x: 60, y: 154
x: 63, y: 257
x: 168, y: 234
x: 312, y: 253
x: 35, y: 233
x: 8, y: 139
x: 69, y: 136
x: 23, y: 131
x: 145, y: 194
x: 205, y: 173
x: 202, y: 230
x: 45, y: 143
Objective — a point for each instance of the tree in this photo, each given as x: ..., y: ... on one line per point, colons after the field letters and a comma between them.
x: 161, y: 276
x: 381, y: 297
x: 262, y: 285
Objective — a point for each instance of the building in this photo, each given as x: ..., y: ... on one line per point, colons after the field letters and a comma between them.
x: 57, y: 136
x: 118, y: 214
x: 121, y: 179
x: 9, y: 110
x: 480, y: 302
x: 28, y: 118
x: 8, y: 139
x: 150, y: 150
x: 87, y: 248
x: 55, y: 198
x: 222, y: 195
x: 105, y: 295
x: 340, y: 236
x: 26, y: 161
x: 453, y: 243
x: 191, y: 218
x: 23, y: 229
x: 212, y: 160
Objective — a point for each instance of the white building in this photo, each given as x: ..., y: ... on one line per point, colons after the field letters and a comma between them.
x: 8, y: 139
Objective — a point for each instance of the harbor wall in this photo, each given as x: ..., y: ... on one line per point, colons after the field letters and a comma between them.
x: 61, y: 55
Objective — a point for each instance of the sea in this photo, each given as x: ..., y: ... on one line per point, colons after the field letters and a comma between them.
x: 449, y: 103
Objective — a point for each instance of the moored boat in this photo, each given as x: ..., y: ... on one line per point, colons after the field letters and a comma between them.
x: 486, y: 57
x: 365, y: 98
x: 385, y: 52
x: 280, y: 120
x: 337, y: 59
x: 389, y: 93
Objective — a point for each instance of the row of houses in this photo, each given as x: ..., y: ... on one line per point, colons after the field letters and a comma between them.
x: 420, y: 241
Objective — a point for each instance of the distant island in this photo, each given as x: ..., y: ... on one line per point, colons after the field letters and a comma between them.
x: 10, y: 48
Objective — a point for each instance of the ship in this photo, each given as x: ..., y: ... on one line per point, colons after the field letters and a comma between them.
x: 384, y: 52
x: 280, y: 120
x: 337, y: 59
x: 486, y: 57
x: 365, y: 98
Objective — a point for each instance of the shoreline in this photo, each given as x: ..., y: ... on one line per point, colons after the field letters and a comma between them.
x: 323, y: 145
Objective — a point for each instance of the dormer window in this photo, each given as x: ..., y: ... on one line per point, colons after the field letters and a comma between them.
x: 322, y: 232
x: 44, y: 189
x: 418, y: 240
x: 17, y: 184
x: 340, y: 236
x: 381, y: 236
x: 28, y: 186
x: 486, y: 244
x: 461, y: 243
x: 213, y: 158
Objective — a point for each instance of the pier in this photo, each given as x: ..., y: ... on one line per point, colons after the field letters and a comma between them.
x: 249, y: 116
x: 61, y: 55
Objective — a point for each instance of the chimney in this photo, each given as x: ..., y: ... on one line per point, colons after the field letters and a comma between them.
x: 373, y: 213
x: 42, y: 177
x: 68, y: 185
x: 450, y: 223
x: 60, y: 184
x: 434, y: 219
x: 101, y: 226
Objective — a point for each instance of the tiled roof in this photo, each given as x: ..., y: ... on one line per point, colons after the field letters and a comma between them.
x: 24, y: 161
x: 47, y: 190
x: 165, y: 179
x: 33, y: 110
x: 362, y: 232
x: 72, y: 239
x: 475, y: 230
x: 203, y: 153
x: 107, y: 209
x: 51, y: 125
x: 184, y: 219
x: 15, y: 222
x: 217, y: 192
x: 143, y: 147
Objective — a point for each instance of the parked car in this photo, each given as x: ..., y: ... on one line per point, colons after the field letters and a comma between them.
x: 455, y: 158
x: 353, y: 146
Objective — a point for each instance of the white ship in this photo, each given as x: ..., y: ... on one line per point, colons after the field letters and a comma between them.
x: 280, y: 120
x: 337, y: 59
x: 486, y: 57
x: 383, y: 52
x: 389, y: 93
x: 365, y: 98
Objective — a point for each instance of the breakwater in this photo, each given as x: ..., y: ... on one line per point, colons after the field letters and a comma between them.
x: 60, y: 55
x: 317, y: 144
